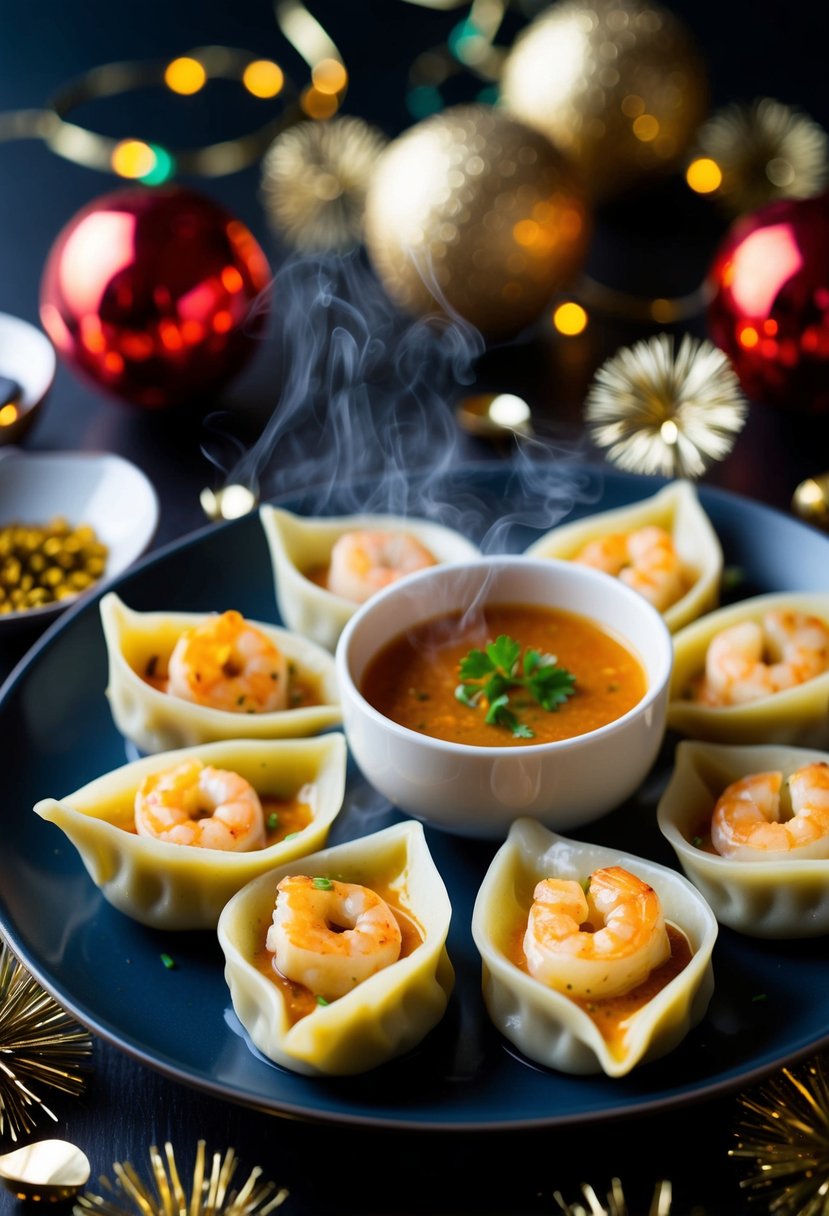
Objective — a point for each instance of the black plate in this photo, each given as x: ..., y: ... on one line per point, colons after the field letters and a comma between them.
x: 771, y: 1001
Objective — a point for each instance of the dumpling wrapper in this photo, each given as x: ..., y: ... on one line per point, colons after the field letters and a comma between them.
x: 298, y: 544
x: 155, y: 721
x: 175, y: 886
x: 544, y: 1024
x: 677, y: 509
x: 796, y: 717
x: 767, y: 898
x: 384, y: 1016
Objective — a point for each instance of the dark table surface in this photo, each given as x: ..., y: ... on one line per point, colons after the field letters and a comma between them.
x: 754, y: 49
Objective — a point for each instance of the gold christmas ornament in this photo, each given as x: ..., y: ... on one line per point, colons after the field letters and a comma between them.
x: 617, y: 84
x: 473, y: 213
x: 784, y: 1132
x: 314, y: 181
x: 209, y: 1194
x: 41, y: 1047
x: 659, y: 412
x: 747, y: 155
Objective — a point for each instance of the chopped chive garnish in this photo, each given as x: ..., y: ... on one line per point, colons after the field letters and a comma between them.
x: 273, y: 821
x: 168, y: 962
x: 322, y: 884
x: 321, y: 1000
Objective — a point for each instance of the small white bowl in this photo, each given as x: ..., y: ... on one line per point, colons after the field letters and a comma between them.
x: 28, y: 358
x: 478, y: 791
x: 96, y: 488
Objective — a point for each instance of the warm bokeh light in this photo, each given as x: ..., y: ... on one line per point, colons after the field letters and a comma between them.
x: 133, y: 158
x: 646, y: 128
x: 704, y: 175
x: 329, y: 76
x: 570, y: 318
x: 319, y: 105
x: 185, y: 76
x: 263, y: 78
x: 9, y: 414
x: 748, y: 337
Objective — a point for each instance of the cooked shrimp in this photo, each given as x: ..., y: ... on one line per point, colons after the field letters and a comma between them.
x: 645, y: 559
x: 752, y: 820
x: 197, y: 804
x: 754, y: 659
x: 600, y: 944
x: 330, y: 935
x: 227, y: 663
x: 362, y: 563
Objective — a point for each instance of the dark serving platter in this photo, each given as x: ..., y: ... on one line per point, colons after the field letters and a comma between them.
x: 771, y: 999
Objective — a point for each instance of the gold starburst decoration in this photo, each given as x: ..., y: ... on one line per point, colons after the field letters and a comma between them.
x: 656, y: 411
x: 615, y: 1203
x: 41, y: 1047
x: 784, y: 1132
x: 210, y: 1189
x: 314, y: 182
x: 752, y: 154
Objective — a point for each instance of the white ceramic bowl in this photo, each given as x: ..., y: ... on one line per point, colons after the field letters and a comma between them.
x: 479, y: 791
x: 95, y: 488
x: 28, y: 358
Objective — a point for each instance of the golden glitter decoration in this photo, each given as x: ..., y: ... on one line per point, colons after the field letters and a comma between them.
x: 40, y: 1046
x: 617, y: 84
x: 660, y: 412
x: 764, y: 151
x: 314, y: 182
x: 209, y: 1195
x: 473, y: 213
x: 784, y: 1132
x: 811, y: 500
x: 615, y: 1203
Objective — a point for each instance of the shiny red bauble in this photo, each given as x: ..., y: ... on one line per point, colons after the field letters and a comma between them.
x: 769, y: 309
x: 157, y: 295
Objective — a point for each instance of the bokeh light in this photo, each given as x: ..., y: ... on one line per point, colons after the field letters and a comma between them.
x: 570, y: 318
x: 263, y: 78
x: 185, y: 76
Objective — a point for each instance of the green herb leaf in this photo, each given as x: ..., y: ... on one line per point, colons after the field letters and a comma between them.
x: 168, y: 962
x: 322, y: 884
x: 488, y: 677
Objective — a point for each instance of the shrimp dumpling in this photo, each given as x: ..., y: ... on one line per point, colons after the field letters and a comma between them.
x: 756, y: 671
x: 338, y: 963
x: 325, y: 567
x: 178, y: 679
x: 664, y: 546
x: 749, y: 825
x: 169, y: 838
x: 592, y: 961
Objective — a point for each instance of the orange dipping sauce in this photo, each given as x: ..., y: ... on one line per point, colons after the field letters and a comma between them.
x: 413, y: 679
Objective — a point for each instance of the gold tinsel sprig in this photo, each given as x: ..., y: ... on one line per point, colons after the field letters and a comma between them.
x: 41, y: 1046
x: 660, y: 411
x: 764, y: 150
x: 615, y: 1203
x: 783, y: 1132
x: 210, y: 1191
x: 314, y: 181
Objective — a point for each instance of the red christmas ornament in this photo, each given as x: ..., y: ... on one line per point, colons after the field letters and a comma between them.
x: 157, y: 295
x: 770, y: 306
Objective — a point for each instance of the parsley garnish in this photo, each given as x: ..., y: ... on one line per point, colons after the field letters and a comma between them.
x: 488, y: 677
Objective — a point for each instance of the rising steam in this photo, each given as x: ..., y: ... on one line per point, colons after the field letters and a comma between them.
x: 364, y: 420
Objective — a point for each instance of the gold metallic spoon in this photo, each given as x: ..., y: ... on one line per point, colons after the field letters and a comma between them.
x: 50, y: 1171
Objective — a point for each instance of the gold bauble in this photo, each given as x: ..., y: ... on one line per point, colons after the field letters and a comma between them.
x: 473, y: 213
x: 617, y: 84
